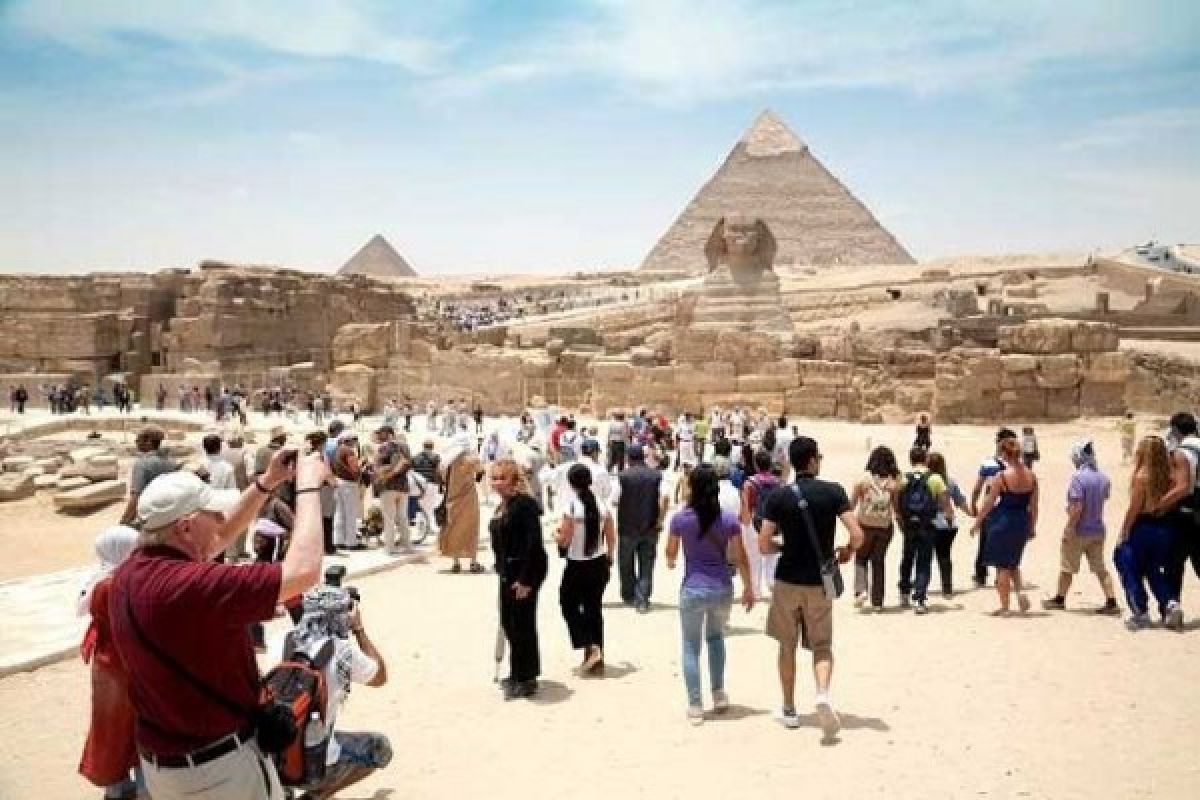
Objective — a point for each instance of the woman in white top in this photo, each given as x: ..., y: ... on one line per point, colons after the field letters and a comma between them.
x: 587, y: 538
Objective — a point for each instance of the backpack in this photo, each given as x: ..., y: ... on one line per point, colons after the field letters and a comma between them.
x: 875, y: 507
x: 299, y: 686
x: 917, y: 503
x: 762, y: 492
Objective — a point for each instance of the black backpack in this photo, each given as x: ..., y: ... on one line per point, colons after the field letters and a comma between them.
x: 918, y: 506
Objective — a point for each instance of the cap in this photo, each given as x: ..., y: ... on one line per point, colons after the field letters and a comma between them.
x: 348, y: 435
x: 177, y: 494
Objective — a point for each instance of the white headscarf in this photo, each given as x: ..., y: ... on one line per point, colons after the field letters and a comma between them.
x: 460, y: 444
x: 1083, y: 454
x: 113, y: 545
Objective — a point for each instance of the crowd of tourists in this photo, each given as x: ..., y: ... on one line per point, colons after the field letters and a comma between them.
x: 733, y: 492
x: 70, y: 398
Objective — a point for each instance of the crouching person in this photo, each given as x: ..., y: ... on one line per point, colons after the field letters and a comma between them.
x: 330, y: 637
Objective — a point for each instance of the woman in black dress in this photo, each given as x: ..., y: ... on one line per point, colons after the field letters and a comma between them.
x: 521, y: 563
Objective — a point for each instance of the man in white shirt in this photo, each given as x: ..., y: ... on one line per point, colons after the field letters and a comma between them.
x: 220, y: 471
x: 685, y: 441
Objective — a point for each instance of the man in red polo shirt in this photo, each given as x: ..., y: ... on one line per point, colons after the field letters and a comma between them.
x: 181, y: 623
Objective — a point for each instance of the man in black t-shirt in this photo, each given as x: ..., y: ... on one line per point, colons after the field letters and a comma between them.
x: 800, y: 611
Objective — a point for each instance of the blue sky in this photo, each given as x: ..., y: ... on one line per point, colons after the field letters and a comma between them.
x: 534, y: 136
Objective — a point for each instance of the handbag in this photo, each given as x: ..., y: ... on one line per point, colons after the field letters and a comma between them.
x: 831, y: 570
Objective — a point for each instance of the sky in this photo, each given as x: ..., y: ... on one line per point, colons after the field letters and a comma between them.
x: 490, y: 136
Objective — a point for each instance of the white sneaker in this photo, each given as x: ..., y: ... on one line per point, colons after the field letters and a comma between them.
x: 830, y: 723
x: 860, y: 599
x: 788, y: 718
x: 720, y: 701
x: 695, y: 715
x: 1173, y: 617
x: 920, y: 607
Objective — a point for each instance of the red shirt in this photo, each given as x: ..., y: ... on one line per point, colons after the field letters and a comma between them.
x: 199, y: 614
x: 555, y: 434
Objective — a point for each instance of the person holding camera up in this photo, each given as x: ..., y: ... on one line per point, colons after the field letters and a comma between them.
x: 181, y: 625
x: 330, y: 636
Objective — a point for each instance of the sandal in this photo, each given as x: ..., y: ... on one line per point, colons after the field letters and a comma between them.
x: 476, y: 568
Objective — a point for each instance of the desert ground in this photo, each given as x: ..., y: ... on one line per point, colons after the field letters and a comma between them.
x: 954, y: 704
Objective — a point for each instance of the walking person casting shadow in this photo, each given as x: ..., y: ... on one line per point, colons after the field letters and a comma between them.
x: 589, y: 562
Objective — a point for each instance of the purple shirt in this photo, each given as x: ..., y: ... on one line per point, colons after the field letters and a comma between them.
x: 1089, y: 487
x: 704, y: 557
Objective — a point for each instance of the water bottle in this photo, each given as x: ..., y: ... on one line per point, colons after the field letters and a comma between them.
x: 314, y: 749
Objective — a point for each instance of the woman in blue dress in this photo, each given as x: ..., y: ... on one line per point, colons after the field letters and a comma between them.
x: 1009, y: 511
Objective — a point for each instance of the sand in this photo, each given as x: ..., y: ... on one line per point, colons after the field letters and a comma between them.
x: 955, y: 704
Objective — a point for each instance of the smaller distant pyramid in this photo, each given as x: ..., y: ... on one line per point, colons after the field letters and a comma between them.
x: 378, y: 259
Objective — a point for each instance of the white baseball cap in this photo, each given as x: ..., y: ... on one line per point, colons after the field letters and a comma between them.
x: 177, y: 494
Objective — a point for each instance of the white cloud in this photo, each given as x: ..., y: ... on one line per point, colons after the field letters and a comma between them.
x: 1136, y: 128
x: 690, y: 51
x: 302, y: 28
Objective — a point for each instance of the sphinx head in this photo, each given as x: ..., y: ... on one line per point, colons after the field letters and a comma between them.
x: 745, y: 243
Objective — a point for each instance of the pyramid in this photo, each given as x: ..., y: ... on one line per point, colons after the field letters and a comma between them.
x: 378, y: 259
x: 770, y: 173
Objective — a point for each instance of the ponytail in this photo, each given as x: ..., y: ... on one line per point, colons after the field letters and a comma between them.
x: 580, y: 479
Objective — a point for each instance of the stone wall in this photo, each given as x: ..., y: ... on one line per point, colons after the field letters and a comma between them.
x: 1163, y: 383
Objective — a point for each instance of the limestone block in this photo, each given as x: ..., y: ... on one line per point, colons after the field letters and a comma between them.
x: 1114, y: 367
x: 51, y: 464
x: 34, y: 472
x: 102, y: 467
x: 642, y: 357
x: 91, y: 496
x: 555, y: 347
x: 696, y: 346
x: 825, y: 373
x: 1062, y: 404
x: 773, y: 402
x: 1094, y: 337
x: 1037, y: 336
x: 17, y: 463
x: 936, y: 274
x: 355, y: 382
x: 806, y: 346
x: 1012, y: 364
x: 1059, y: 371
x: 747, y: 348
x: 15, y: 486
x: 575, y: 335
x: 811, y: 401
x: 1021, y: 404
x: 1103, y: 399
x: 612, y: 371
x: 45, y: 482
x: 1027, y: 291
x: 849, y: 404
x: 765, y: 383
x: 575, y: 363
x: 81, y: 455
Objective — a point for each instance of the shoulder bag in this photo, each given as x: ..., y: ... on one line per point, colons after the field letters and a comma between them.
x: 831, y: 571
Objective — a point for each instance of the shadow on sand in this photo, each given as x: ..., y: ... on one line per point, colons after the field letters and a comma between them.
x: 850, y: 722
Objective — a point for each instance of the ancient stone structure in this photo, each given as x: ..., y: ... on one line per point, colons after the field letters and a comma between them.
x: 771, y: 174
x: 378, y: 259
x: 741, y: 290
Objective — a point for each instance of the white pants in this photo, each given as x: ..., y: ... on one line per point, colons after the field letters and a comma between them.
x: 345, y: 513
x: 762, y: 568
x: 394, y: 506
x: 244, y: 774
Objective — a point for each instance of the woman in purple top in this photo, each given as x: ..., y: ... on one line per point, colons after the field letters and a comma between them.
x: 710, y: 538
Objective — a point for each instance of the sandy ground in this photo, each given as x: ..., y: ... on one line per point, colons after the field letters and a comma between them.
x: 954, y: 704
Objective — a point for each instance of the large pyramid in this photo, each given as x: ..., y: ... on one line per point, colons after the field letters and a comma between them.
x: 378, y: 259
x: 771, y: 174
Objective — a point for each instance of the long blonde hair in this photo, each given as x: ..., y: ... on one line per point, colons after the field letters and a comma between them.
x: 510, y: 469
x: 1154, y: 463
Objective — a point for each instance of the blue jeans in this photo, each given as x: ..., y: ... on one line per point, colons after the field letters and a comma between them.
x: 916, y: 563
x: 1145, y: 558
x: 635, y: 561
x: 703, y: 614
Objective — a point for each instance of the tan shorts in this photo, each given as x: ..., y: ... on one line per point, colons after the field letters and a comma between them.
x: 1075, y: 547
x: 801, y: 614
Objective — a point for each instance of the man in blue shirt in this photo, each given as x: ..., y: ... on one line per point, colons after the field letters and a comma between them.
x: 987, y: 470
x: 1084, y: 535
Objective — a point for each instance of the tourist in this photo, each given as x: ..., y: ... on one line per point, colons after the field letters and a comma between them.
x: 801, y: 612
x: 427, y: 463
x: 1144, y: 547
x: 332, y: 616
x: 1084, y: 533
x: 1181, y: 504
x: 528, y: 429
x: 702, y: 430
x: 945, y: 527
x: 569, y: 443
x: 459, y: 539
x: 718, y: 425
x: 619, y: 439
x: 151, y: 462
x: 220, y: 471
x: 924, y: 432
x: 21, y: 397
x: 491, y: 452
x: 710, y: 539
x: 174, y: 607
x: 391, y: 414
x: 408, y: 415
x: 1127, y: 428
x: 235, y: 455
x: 516, y: 533
x: 160, y: 398
x: 641, y: 504
x: 779, y: 449
x: 990, y: 468
x: 347, y: 470
x: 685, y: 443
x: 109, y: 752
x: 755, y: 492
x: 272, y: 531
x: 316, y: 442
x: 728, y: 497
x: 874, y: 498
x: 1030, y: 454
x: 392, y: 462
x: 478, y: 415
x: 602, y: 481
x: 586, y: 539
x: 919, y: 498
x: 1010, y: 512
